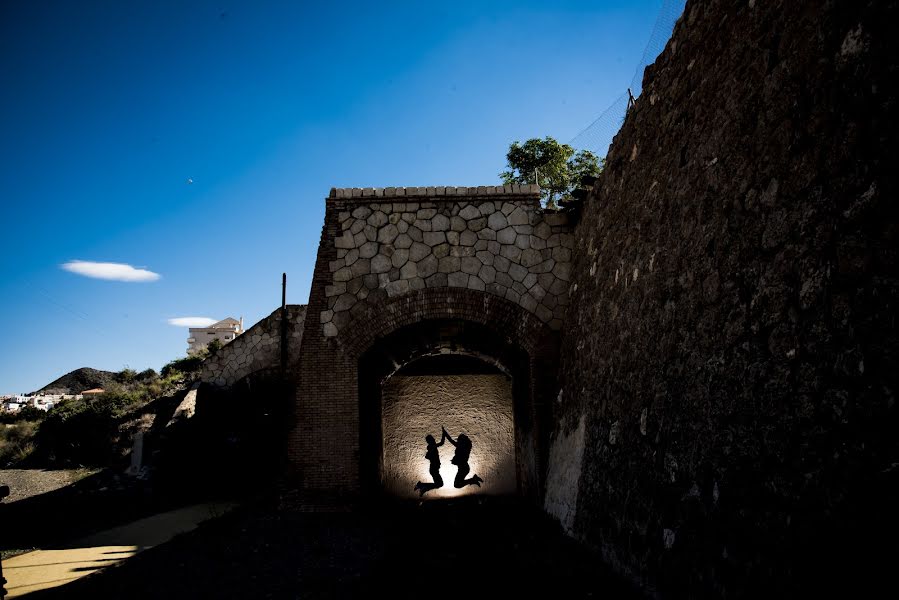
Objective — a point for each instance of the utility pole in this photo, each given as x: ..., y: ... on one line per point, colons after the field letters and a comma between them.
x: 283, y: 326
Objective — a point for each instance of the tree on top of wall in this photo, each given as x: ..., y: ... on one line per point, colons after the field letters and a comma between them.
x: 556, y: 167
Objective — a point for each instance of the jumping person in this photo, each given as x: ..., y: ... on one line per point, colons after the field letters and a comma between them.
x: 433, y: 456
x: 460, y: 459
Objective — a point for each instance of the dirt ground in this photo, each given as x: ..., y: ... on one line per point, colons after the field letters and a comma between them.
x: 25, y: 483
x: 472, y: 548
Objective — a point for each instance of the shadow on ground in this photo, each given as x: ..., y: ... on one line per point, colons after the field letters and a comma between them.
x: 472, y: 548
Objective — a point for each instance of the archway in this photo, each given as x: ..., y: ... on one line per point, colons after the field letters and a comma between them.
x: 450, y: 373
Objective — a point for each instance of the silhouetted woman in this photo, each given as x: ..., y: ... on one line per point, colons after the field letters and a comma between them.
x: 460, y: 459
x: 433, y: 456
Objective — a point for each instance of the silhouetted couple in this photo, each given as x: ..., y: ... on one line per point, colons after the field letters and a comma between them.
x: 460, y: 459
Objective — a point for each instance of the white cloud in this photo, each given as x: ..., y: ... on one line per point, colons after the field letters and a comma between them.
x: 192, y: 321
x: 110, y: 271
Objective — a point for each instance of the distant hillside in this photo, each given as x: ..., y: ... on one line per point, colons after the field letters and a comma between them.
x: 77, y: 381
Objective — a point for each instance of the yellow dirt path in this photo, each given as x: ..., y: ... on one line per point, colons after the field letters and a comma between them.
x: 52, y: 567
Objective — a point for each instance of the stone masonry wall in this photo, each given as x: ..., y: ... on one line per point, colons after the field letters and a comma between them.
x: 491, y: 238
x: 258, y: 348
x: 731, y: 345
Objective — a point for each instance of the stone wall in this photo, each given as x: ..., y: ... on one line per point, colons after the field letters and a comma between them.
x: 479, y: 405
x: 491, y: 238
x: 258, y: 348
x: 731, y: 345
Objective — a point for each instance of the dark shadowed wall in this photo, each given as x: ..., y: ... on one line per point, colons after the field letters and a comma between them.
x: 727, y: 421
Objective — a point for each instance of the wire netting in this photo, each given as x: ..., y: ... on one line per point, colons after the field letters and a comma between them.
x: 597, y: 136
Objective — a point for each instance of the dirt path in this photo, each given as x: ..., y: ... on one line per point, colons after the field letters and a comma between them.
x: 52, y: 567
x: 25, y: 483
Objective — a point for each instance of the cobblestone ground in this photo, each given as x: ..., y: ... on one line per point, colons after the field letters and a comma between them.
x: 462, y: 549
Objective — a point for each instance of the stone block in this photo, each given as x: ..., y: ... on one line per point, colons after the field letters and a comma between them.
x: 440, y: 223
x: 523, y: 241
x: 427, y: 266
x: 361, y: 267
x: 325, y: 316
x: 468, y: 238
x: 441, y: 250
x: 388, y: 233
x: 395, y: 288
x: 345, y: 241
x: 380, y: 264
x: 517, y: 272
x: 344, y: 302
x: 425, y: 214
x: 506, y: 236
x: 561, y: 254
x: 457, y: 279
x: 485, y: 257
x: 423, y: 224
x: 343, y: 274
x: 409, y: 270
x: 503, y: 279
x: 513, y: 253
x: 497, y: 221
x: 436, y: 280
x: 362, y: 212
x: 403, y: 241
x: 357, y: 226
x: 329, y: 330
x: 477, y: 224
x: 470, y: 212
x: 415, y: 233
x: 530, y: 257
x: 537, y: 243
x: 452, y: 237
x: 487, y: 234
x: 529, y: 281
x: 487, y: 273
x: 371, y: 233
x: 377, y: 219
x: 487, y: 208
x: 449, y: 264
x: 562, y: 271
x: 501, y: 263
x: 418, y: 251
x: 370, y: 281
x: 399, y: 258
x: 432, y: 238
x: 471, y: 265
x: 457, y: 223
x: 336, y: 289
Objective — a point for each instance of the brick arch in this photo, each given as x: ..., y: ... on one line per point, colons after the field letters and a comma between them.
x: 326, y: 449
x: 378, y: 319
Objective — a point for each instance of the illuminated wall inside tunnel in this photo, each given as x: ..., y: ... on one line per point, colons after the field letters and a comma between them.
x: 477, y: 404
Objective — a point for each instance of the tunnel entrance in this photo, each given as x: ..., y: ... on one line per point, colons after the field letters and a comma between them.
x: 454, y: 374
x: 466, y: 396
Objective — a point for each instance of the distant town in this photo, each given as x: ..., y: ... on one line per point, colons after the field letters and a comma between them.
x: 221, y: 332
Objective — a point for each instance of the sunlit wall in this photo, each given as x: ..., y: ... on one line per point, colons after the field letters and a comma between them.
x: 479, y: 405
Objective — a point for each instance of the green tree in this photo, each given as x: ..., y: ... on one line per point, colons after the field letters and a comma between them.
x: 558, y: 168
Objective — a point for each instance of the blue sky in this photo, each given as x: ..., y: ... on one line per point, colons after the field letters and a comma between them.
x: 108, y: 109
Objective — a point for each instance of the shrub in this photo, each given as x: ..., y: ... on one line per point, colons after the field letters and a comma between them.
x: 186, y: 365
x: 16, y: 442
x: 126, y: 375
x: 85, y: 431
x: 26, y: 413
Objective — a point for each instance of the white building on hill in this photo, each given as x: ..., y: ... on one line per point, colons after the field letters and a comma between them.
x: 223, y: 331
